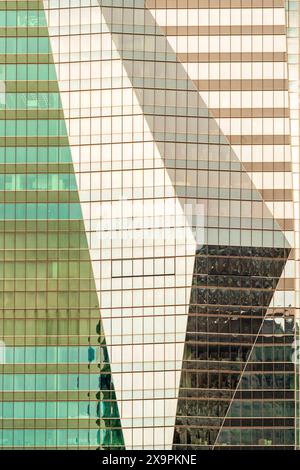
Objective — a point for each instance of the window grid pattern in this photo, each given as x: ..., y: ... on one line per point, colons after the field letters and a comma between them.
x: 56, y: 389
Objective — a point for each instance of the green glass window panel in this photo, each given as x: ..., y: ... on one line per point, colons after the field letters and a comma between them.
x: 35, y: 155
x: 52, y: 382
x: 32, y: 127
x: 46, y: 227
x: 22, y: 18
x: 48, y: 181
x: 24, y: 45
x: 27, y: 72
x: 52, y: 437
x: 40, y: 211
x: 32, y: 100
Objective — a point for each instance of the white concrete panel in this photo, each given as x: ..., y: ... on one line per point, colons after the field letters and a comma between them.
x: 246, y: 99
x: 236, y: 70
x: 215, y: 16
x: 224, y: 44
x: 254, y: 126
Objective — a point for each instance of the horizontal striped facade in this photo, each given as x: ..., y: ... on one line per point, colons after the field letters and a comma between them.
x: 236, y: 54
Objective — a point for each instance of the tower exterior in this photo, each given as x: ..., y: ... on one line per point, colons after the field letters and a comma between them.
x: 149, y: 224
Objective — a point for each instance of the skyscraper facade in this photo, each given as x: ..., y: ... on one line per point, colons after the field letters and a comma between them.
x: 149, y: 224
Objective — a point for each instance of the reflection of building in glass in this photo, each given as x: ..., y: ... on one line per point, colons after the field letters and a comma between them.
x: 117, y: 337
